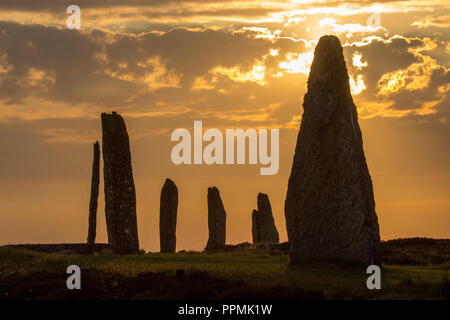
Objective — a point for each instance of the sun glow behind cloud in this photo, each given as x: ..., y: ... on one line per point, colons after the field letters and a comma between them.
x: 297, y: 63
x: 356, y: 60
x: 349, y: 28
x: 255, y: 74
x: 154, y: 74
x: 417, y: 76
x: 357, y: 86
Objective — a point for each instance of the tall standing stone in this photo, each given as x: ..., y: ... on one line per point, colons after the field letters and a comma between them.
x: 120, y: 194
x: 93, y: 204
x: 216, y: 220
x: 263, y: 224
x: 330, y: 207
x: 168, y: 216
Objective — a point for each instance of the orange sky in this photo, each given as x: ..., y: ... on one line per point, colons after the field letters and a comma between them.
x: 231, y: 64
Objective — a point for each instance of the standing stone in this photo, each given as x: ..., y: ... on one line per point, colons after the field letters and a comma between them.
x: 120, y: 195
x: 255, y: 227
x: 263, y: 224
x: 330, y: 207
x: 94, y: 195
x: 216, y: 220
x: 168, y: 216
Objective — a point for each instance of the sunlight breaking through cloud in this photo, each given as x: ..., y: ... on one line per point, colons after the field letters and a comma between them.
x: 356, y: 60
x: 297, y: 63
x: 357, y: 86
x: 255, y: 74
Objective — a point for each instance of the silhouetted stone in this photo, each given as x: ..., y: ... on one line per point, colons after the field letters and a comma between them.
x: 263, y: 224
x: 216, y: 220
x: 168, y: 216
x: 330, y: 207
x: 255, y: 227
x: 93, y: 204
x: 120, y: 194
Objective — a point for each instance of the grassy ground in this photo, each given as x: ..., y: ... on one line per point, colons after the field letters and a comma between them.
x: 209, y: 275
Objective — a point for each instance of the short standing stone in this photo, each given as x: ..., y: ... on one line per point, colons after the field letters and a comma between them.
x: 168, y: 216
x: 330, y: 207
x: 94, y: 195
x: 216, y: 220
x: 120, y: 194
x: 263, y: 224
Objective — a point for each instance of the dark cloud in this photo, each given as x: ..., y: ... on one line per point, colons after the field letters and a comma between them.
x: 383, y: 57
x: 138, y: 73
x: 67, y: 56
x: 408, y: 65
x: 190, y: 53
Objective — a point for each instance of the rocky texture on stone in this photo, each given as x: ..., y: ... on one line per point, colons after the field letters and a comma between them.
x: 120, y: 194
x: 168, y: 216
x: 263, y: 224
x: 93, y: 204
x: 330, y: 207
x: 216, y: 220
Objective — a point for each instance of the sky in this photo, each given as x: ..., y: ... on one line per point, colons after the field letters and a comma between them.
x: 163, y: 64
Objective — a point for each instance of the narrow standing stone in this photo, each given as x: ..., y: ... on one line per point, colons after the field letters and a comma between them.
x: 263, y: 224
x: 120, y: 194
x: 216, y: 220
x: 330, y: 207
x: 94, y: 195
x: 168, y: 216
x: 256, y: 233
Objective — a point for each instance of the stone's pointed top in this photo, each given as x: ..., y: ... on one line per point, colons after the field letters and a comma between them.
x: 168, y: 181
x: 328, y: 47
x: 113, y: 113
x: 263, y: 202
x: 213, y: 189
x: 330, y: 40
x: 328, y: 70
x: 262, y: 197
x: 114, y: 123
x: 169, y: 184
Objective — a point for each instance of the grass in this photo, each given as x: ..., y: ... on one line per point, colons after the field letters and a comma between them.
x: 259, y: 270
